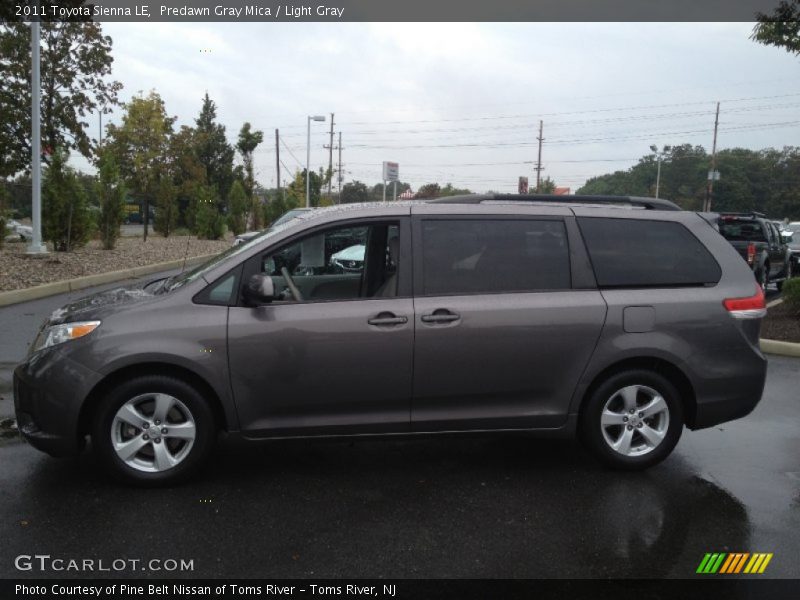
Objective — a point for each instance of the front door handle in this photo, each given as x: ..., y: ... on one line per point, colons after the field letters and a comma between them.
x: 387, y: 318
x: 440, y: 316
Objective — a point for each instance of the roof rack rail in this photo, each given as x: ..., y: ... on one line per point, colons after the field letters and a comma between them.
x: 749, y: 213
x: 647, y: 203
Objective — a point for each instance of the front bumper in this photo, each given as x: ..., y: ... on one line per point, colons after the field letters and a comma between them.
x: 48, y: 395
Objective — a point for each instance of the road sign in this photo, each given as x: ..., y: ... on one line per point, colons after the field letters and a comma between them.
x: 713, y: 175
x: 391, y: 171
x: 522, y: 187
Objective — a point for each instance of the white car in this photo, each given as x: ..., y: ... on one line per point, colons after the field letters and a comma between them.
x: 16, y: 230
x: 351, y: 259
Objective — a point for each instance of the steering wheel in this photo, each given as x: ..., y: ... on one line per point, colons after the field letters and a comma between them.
x: 298, y: 297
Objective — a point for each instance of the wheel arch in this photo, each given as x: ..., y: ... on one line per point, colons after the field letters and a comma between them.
x: 650, y: 363
x: 100, y: 389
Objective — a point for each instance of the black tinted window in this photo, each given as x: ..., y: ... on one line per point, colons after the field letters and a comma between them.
x: 637, y: 253
x: 477, y: 256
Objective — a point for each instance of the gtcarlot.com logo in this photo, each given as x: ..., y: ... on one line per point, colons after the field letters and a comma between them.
x: 45, y: 562
x: 729, y: 563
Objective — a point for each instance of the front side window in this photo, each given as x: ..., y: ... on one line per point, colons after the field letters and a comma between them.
x: 337, y: 264
x: 473, y: 256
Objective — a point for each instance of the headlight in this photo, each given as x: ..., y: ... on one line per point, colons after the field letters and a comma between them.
x: 57, y: 334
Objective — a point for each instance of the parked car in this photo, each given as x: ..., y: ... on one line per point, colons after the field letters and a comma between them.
x: 16, y: 230
x: 351, y: 259
x: 283, y: 219
x: 617, y: 320
x: 761, y: 244
x: 793, y: 241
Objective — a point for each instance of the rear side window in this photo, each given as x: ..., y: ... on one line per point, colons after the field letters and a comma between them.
x: 490, y: 256
x: 638, y: 253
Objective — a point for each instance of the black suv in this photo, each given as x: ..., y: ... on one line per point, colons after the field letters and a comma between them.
x: 760, y: 244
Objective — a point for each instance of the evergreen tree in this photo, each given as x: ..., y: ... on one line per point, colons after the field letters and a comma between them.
x: 65, y: 218
x: 212, y: 149
x: 209, y: 223
x: 237, y: 208
x: 111, y: 194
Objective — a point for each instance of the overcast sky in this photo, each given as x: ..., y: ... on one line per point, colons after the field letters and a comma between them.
x: 461, y: 103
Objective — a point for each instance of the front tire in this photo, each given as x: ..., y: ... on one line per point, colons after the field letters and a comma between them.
x: 633, y: 420
x: 153, y: 430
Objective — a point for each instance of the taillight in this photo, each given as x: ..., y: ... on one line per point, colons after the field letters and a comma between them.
x: 751, y: 307
x: 751, y: 253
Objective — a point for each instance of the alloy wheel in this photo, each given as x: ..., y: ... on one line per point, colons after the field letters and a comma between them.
x: 153, y: 432
x: 634, y: 420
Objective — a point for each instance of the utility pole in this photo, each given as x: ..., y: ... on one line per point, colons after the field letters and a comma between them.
x: 36, y: 246
x: 277, y: 161
x: 339, y: 175
x: 713, y: 171
x: 330, y: 159
x: 538, y: 168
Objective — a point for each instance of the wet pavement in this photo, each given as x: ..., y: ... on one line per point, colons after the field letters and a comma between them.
x: 447, y: 507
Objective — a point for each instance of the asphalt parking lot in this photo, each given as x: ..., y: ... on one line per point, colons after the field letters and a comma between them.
x: 471, y: 507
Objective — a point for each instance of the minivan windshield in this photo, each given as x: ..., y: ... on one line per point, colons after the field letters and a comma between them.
x: 185, y: 277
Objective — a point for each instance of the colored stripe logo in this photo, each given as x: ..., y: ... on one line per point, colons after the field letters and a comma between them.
x: 734, y: 562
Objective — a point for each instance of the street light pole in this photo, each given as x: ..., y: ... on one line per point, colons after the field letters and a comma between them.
x: 658, y: 174
x: 36, y: 246
x: 308, y: 156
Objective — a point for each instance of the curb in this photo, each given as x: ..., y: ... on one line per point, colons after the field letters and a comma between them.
x: 780, y: 348
x: 79, y: 283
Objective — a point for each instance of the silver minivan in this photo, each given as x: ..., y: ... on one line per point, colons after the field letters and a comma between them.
x: 619, y: 320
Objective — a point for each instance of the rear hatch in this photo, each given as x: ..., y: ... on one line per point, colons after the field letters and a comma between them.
x: 743, y: 232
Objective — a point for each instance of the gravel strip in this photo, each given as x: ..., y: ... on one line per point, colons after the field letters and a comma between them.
x: 17, y: 270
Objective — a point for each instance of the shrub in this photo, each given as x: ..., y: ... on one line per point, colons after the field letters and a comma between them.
x: 111, y: 195
x: 237, y: 207
x: 65, y: 217
x: 791, y: 294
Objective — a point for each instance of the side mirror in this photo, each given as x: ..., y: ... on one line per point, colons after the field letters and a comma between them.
x: 260, y: 289
x: 787, y: 236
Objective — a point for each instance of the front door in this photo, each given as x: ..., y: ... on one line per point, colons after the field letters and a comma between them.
x: 336, y: 359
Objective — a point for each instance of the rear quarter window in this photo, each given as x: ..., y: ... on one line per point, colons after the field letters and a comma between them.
x: 641, y: 253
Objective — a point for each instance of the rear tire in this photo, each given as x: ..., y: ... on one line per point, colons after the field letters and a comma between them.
x: 633, y: 420
x: 153, y: 430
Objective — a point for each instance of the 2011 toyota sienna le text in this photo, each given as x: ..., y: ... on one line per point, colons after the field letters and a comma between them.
x: 621, y: 320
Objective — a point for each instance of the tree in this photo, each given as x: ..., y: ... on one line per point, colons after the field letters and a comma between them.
x: 354, y: 192
x: 209, y: 222
x: 140, y: 145
x: 296, y: 191
x: 237, y: 208
x: 212, y: 149
x: 275, y: 207
x: 3, y: 214
x: 166, y: 218
x: 246, y: 145
x: 66, y: 221
x: 187, y: 174
x: 429, y: 190
x: 111, y: 193
x: 781, y: 28
x: 450, y: 190
x: 75, y: 69
x: 546, y: 186
x: 764, y: 180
